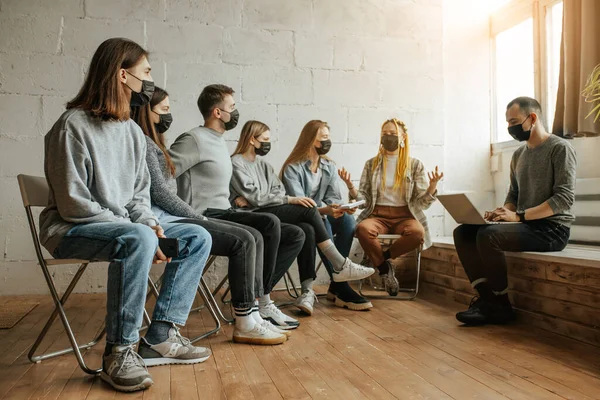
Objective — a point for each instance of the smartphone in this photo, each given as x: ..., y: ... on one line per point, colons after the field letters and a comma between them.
x: 169, y: 247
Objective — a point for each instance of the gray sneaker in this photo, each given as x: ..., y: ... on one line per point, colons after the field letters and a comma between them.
x: 391, y: 283
x: 125, y: 370
x: 175, y: 350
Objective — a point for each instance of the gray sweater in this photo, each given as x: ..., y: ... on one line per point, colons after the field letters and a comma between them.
x: 257, y: 182
x: 203, y: 169
x: 163, y: 188
x: 96, y: 171
x: 545, y: 173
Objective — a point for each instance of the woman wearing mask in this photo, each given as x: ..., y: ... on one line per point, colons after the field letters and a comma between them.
x: 99, y: 209
x: 308, y: 172
x: 242, y: 245
x: 255, y: 186
x: 394, y: 186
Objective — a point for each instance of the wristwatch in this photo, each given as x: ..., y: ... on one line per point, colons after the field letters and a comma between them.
x: 521, y: 215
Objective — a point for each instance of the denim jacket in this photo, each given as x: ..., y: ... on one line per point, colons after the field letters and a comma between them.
x: 296, y: 178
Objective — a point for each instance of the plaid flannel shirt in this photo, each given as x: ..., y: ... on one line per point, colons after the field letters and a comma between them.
x: 415, y: 190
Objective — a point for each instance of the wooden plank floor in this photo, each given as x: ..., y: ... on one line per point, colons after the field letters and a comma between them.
x: 403, y: 350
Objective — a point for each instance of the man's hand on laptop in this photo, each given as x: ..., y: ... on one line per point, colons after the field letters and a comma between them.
x: 501, y: 214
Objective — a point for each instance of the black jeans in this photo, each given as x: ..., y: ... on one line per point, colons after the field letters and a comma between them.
x: 244, y: 247
x: 480, y: 247
x: 311, y: 223
x: 282, y: 242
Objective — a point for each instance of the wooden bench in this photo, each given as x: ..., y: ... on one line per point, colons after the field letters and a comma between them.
x: 557, y: 291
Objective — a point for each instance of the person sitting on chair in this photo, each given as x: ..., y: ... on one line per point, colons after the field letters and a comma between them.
x: 241, y: 244
x: 394, y: 186
x: 99, y: 209
x: 539, y: 202
x: 308, y: 172
x: 256, y: 187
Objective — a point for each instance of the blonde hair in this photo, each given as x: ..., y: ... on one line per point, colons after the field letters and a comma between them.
x: 305, y: 142
x: 403, y: 156
x: 250, y: 130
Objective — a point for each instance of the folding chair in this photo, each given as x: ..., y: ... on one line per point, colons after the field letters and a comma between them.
x: 386, y: 241
x: 34, y: 192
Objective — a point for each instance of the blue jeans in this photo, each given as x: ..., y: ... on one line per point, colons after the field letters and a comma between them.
x: 130, y: 249
x: 341, y: 231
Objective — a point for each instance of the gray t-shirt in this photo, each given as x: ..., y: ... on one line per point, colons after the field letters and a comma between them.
x: 202, y: 168
x: 545, y: 173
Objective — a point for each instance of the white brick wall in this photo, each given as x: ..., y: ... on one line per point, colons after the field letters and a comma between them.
x: 352, y: 63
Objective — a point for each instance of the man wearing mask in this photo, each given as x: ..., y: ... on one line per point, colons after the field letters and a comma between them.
x: 538, y: 205
x: 203, y: 171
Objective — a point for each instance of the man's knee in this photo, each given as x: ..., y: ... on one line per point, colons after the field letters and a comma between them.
x: 463, y: 233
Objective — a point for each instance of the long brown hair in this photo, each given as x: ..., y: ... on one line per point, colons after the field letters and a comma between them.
x: 403, y: 156
x: 250, y: 130
x: 302, y: 148
x: 102, y: 94
x: 141, y: 115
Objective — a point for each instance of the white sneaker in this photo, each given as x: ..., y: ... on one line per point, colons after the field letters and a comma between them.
x: 273, y: 328
x: 258, y: 335
x: 271, y: 313
x: 306, y: 301
x: 352, y: 272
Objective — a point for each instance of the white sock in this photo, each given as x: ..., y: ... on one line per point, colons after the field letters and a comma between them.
x: 243, y: 319
x: 333, y: 255
x: 256, y: 315
x: 245, y: 323
x: 264, y: 300
x: 307, y: 285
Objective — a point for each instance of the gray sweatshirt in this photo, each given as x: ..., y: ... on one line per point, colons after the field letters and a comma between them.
x: 545, y: 173
x: 96, y: 171
x: 163, y: 189
x: 203, y: 169
x: 257, y: 182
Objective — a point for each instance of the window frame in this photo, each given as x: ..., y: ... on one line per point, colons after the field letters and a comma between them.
x: 511, y: 14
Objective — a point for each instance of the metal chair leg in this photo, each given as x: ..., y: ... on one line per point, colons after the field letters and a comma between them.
x: 59, y: 310
x: 413, y: 291
x: 211, y: 304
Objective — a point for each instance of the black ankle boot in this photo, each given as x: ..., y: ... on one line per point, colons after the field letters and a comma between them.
x: 496, y: 310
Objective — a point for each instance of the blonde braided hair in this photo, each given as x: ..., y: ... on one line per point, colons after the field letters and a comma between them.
x: 403, y: 156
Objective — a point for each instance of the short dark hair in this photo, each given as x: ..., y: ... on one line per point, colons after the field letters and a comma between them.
x: 528, y: 105
x: 211, y: 96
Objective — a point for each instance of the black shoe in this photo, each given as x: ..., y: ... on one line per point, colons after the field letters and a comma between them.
x: 346, y: 297
x: 483, y: 312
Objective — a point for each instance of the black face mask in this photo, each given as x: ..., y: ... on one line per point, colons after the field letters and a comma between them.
x: 264, y: 149
x: 517, y: 132
x: 143, y: 97
x: 165, y: 122
x: 389, y: 142
x: 325, y: 147
x: 234, y: 116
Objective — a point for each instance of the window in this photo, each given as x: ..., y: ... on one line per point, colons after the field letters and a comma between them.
x: 526, y: 36
x: 514, y: 70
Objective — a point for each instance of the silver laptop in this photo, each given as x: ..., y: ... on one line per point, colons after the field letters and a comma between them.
x: 462, y: 210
